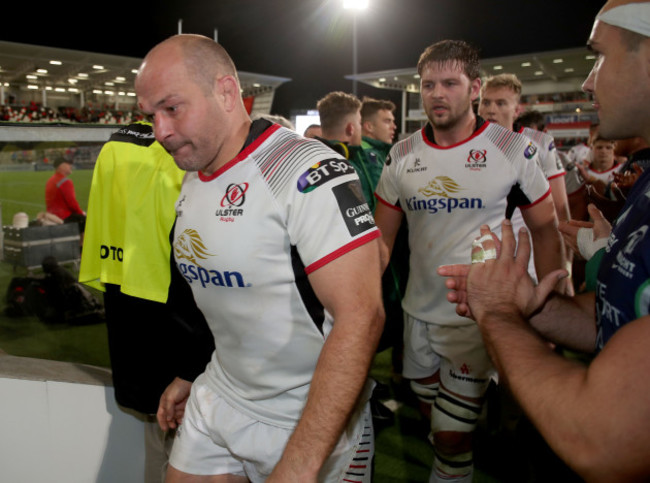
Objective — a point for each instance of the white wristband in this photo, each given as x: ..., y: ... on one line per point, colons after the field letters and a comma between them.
x: 586, y: 243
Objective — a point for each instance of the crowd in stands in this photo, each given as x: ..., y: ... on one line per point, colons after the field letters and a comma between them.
x: 35, y: 112
x: 554, y: 97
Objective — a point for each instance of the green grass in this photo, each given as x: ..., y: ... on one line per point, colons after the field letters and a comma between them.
x: 27, y: 336
x: 25, y: 191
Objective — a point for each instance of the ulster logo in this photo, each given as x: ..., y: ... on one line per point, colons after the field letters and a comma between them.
x: 234, y: 198
x: 477, y: 159
x: 235, y: 195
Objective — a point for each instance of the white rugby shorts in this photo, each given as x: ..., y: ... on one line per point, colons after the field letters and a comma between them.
x: 216, y: 438
x: 457, y: 352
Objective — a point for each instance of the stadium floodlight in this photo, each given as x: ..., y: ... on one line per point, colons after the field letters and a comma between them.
x: 356, y: 6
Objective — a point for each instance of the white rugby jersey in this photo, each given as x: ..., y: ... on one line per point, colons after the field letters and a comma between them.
x: 605, y: 176
x: 446, y: 194
x: 551, y: 165
x: 549, y: 160
x: 245, y: 240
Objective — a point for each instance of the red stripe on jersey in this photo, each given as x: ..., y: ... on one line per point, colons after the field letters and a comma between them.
x: 537, y: 201
x: 342, y: 251
x: 384, y: 202
x: 557, y: 175
x: 474, y: 134
x: 243, y: 154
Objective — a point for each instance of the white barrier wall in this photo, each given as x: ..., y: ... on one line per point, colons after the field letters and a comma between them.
x: 59, y: 423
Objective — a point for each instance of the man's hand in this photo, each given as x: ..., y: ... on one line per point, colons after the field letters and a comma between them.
x: 504, y: 285
x: 457, y: 277
x: 172, y: 404
x: 598, y: 229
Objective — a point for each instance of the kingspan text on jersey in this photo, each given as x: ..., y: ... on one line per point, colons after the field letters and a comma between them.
x: 434, y: 205
x: 215, y: 278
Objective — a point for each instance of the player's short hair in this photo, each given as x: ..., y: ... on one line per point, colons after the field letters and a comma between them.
x: 509, y: 81
x: 533, y: 119
x: 335, y: 107
x: 370, y: 107
x: 456, y: 52
x: 598, y: 137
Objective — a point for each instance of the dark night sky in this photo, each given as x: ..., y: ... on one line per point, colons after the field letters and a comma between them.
x: 309, y: 41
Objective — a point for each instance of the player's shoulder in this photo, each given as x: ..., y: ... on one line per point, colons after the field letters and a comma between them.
x: 512, y: 144
x: 542, y: 139
x: 138, y: 133
x: 285, y: 156
x: 405, y: 147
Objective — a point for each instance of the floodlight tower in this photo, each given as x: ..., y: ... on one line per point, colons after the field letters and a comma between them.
x: 356, y: 6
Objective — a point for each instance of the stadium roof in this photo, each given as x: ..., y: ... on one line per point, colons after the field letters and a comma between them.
x: 63, y: 70
x: 539, y: 72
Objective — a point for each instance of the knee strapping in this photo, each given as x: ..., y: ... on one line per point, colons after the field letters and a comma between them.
x: 456, y: 467
x: 451, y: 413
x: 426, y: 393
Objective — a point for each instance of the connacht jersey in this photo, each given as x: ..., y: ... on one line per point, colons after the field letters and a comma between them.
x: 446, y: 194
x: 623, y: 289
x: 245, y: 239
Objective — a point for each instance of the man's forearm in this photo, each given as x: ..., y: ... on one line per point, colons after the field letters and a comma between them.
x: 568, y: 321
x: 339, y: 377
x: 548, y: 251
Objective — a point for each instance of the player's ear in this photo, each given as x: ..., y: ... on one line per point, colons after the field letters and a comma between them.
x: 228, y: 89
x: 475, y: 88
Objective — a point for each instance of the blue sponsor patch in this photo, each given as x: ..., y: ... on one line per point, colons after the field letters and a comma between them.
x: 323, y: 171
x: 530, y: 151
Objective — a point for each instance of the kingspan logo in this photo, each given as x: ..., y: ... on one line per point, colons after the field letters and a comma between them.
x: 439, y: 196
x: 189, y: 246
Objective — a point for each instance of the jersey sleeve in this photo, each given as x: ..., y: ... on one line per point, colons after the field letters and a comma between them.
x: 387, y: 190
x: 328, y: 214
x: 530, y: 177
x: 550, y: 159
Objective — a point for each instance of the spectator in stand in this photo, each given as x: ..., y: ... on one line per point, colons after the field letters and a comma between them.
x: 60, y: 198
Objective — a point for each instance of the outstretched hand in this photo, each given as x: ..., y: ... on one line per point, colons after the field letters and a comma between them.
x: 504, y: 285
x: 503, y: 282
x: 600, y: 228
x: 457, y: 277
